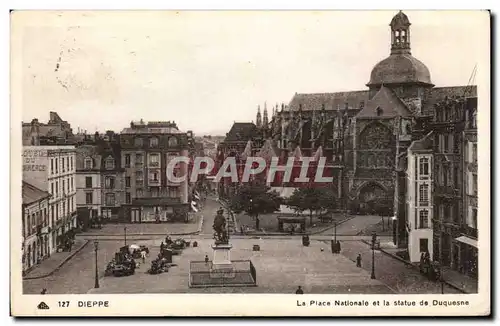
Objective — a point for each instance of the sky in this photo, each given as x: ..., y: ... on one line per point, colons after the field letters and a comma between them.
x: 205, y: 70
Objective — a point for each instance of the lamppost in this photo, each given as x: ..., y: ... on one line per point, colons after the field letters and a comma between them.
x: 96, y: 247
x: 335, y: 231
x: 394, y: 229
x: 374, y: 239
x: 125, y: 230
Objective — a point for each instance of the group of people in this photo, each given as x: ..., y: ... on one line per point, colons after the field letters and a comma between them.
x: 336, y: 247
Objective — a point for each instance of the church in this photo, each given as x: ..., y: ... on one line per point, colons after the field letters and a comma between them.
x: 370, y: 138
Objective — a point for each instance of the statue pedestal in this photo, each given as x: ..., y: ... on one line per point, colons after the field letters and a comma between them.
x: 221, y: 263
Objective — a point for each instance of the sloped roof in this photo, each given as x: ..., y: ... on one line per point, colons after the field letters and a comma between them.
x: 241, y: 131
x: 424, y: 144
x: 438, y: 94
x: 387, y: 102
x: 330, y: 101
x: 400, y: 69
x: 32, y: 194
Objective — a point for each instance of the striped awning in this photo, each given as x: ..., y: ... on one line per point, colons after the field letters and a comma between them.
x: 467, y: 240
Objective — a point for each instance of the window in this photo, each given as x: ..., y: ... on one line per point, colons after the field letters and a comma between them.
x: 424, y: 245
x: 127, y: 181
x: 110, y: 183
x: 64, y: 208
x: 446, y: 142
x: 154, y: 160
x: 139, y: 193
x: 172, y: 142
x: 423, y: 219
x: 57, y: 167
x: 424, y: 166
x: 474, y: 152
x: 153, y: 142
x: 52, y: 188
x: 57, y: 189
x: 109, y: 163
x: 52, y: 215
x: 154, y: 193
x: 127, y: 197
x: 88, y: 163
x: 68, y: 185
x: 138, y: 142
x: 474, y: 183
x: 63, y: 166
x: 424, y: 194
x: 474, y: 218
x: 379, y: 111
x: 63, y: 187
x: 88, y: 198
x: 138, y: 159
x: 71, y: 159
x: 72, y: 184
x: 154, y: 176
x: 51, y: 166
x: 139, y: 175
x: 110, y: 199
x: 127, y: 160
x: 88, y: 182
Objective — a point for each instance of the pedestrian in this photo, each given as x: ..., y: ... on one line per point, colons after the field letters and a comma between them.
x: 338, y: 247
x: 206, y: 259
x: 257, y: 224
x: 299, y: 290
x: 334, y: 249
x: 44, y: 291
x: 358, y: 261
x: 143, y: 256
x: 241, y: 230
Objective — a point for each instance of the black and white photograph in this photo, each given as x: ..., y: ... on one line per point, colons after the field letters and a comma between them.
x: 300, y: 153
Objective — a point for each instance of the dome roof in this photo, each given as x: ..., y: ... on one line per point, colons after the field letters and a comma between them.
x: 398, y: 69
x: 400, y: 19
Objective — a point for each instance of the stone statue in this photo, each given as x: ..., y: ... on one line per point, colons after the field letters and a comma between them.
x: 221, y: 235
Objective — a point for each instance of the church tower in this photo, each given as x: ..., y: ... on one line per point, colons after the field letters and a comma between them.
x: 259, y: 118
x: 400, y: 34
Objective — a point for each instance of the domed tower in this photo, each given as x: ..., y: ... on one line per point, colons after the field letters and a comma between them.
x: 406, y: 76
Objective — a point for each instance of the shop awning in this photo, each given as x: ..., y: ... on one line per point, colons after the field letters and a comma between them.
x: 194, y: 208
x: 467, y: 240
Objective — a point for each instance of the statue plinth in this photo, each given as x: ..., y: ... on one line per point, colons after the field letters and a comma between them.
x: 221, y: 263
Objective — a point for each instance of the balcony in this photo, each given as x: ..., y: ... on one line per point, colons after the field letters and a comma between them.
x: 154, y: 182
x: 423, y: 203
x: 447, y: 191
x: 154, y: 164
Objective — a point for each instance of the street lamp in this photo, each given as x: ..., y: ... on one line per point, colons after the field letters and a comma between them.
x: 125, y: 230
x: 374, y: 239
x: 394, y: 229
x: 335, y: 231
x: 96, y: 247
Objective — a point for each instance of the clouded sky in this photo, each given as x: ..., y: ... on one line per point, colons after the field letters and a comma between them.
x: 205, y: 70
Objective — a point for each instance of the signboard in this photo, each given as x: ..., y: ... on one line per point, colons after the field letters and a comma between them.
x: 34, y: 160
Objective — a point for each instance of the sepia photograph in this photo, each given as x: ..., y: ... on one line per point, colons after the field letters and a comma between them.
x: 309, y: 153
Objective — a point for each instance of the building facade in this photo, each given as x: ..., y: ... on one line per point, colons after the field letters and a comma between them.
x: 35, y: 224
x: 146, y: 150
x: 53, y: 169
x: 419, y: 200
x: 88, y: 182
x: 112, y: 186
x: 55, y: 131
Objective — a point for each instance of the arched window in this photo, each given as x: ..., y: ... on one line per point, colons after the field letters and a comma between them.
x: 109, y: 163
x: 172, y: 141
x: 88, y: 163
x: 379, y: 111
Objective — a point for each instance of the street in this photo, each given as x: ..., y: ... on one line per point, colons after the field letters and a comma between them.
x: 282, y: 264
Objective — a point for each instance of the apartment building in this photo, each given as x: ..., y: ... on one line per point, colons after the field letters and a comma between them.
x: 419, y: 203
x: 146, y: 150
x: 35, y: 224
x: 88, y: 182
x: 53, y: 169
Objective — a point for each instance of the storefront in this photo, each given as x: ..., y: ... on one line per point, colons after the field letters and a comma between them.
x: 468, y: 254
x: 157, y: 210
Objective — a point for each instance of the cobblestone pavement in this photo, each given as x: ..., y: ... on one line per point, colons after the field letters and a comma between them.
x: 281, y: 266
x: 392, y: 272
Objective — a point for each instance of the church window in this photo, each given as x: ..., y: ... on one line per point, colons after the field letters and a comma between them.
x: 424, y: 166
x: 424, y: 194
x: 379, y: 111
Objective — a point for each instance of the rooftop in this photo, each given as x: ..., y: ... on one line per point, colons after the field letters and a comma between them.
x: 32, y: 194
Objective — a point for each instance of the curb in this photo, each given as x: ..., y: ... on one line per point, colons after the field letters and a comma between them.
x: 331, y: 227
x: 64, y: 261
x: 407, y: 263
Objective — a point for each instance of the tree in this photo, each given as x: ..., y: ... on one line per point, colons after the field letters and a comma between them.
x: 255, y: 199
x: 313, y: 199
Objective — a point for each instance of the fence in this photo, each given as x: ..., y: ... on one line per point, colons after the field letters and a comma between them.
x: 242, y: 273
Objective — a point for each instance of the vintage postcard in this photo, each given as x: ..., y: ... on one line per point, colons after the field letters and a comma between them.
x: 250, y: 163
